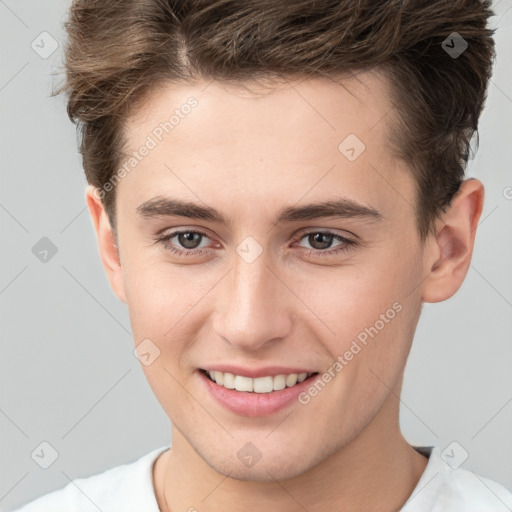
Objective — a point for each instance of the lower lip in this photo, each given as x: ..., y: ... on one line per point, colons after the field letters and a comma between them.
x: 248, y: 403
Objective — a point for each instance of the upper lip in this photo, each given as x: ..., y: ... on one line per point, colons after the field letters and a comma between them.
x: 271, y: 371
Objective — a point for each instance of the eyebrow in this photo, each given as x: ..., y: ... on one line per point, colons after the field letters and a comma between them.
x: 340, y: 208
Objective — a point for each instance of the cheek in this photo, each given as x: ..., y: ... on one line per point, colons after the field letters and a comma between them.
x: 158, y: 295
x: 167, y: 305
x: 152, y: 305
x: 371, y: 306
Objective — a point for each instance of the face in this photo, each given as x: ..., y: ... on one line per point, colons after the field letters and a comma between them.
x: 271, y: 286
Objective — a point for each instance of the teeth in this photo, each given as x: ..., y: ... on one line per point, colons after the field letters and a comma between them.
x: 263, y: 385
x: 279, y: 382
x: 259, y: 384
x: 219, y: 377
x: 243, y: 383
x: 291, y: 380
x: 229, y: 380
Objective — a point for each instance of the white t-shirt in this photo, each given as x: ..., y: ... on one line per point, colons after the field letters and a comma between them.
x: 129, y: 488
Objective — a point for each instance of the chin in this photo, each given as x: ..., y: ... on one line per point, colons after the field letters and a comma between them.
x: 272, y: 466
x: 263, y: 471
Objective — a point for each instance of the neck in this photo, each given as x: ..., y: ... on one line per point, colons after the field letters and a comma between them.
x: 378, y: 470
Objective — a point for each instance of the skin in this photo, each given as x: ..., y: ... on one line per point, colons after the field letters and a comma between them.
x: 248, y: 154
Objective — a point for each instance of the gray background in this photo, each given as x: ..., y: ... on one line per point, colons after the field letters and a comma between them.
x: 67, y: 372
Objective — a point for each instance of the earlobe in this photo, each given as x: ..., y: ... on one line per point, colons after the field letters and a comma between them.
x: 109, y: 252
x: 448, y: 254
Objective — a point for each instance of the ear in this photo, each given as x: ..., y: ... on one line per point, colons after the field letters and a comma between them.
x: 109, y: 252
x: 449, y: 251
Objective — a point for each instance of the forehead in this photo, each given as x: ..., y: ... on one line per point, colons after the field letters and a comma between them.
x: 357, y: 102
x: 265, y: 144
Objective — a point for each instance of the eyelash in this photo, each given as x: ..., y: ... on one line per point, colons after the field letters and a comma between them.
x: 346, y: 245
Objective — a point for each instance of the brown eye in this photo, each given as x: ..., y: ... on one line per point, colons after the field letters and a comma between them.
x: 189, y: 239
x: 187, y: 242
x: 320, y: 240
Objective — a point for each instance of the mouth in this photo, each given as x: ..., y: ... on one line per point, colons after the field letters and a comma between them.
x: 256, y: 392
x: 257, y: 385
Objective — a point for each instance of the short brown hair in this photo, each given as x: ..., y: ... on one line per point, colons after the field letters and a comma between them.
x: 118, y: 51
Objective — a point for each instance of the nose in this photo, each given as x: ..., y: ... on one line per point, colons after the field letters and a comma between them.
x: 254, y: 306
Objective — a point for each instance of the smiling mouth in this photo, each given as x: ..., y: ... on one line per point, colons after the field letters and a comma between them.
x: 266, y: 384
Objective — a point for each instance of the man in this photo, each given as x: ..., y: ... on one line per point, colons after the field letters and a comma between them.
x: 277, y: 188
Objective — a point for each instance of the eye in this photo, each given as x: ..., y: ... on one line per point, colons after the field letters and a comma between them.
x: 188, y: 239
x: 321, y: 240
